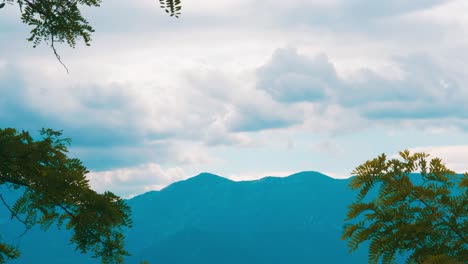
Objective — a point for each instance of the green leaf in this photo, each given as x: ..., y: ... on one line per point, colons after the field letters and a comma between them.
x: 419, y: 220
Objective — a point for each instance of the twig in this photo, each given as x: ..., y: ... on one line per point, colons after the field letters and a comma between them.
x: 56, y: 54
x: 15, y: 215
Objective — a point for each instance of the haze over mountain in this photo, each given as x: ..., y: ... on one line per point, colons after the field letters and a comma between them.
x: 210, y: 219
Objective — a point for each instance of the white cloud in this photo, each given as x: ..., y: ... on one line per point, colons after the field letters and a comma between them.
x: 157, y: 90
x: 334, y: 119
x: 291, y: 77
x: 338, y: 175
x: 132, y: 181
x: 330, y: 148
x: 453, y: 156
x: 424, y: 89
x: 250, y: 176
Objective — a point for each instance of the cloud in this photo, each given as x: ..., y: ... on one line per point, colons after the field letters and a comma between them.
x: 424, y: 89
x: 343, y: 15
x: 11, y: 85
x: 256, y: 117
x: 371, y: 9
x: 156, y: 90
x: 414, y: 110
x: 120, y: 124
x: 330, y: 148
x: 114, y: 124
x: 15, y: 108
x: 255, y: 175
x: 291, y: 77
x: 146, y: 15
x: 182, y: 153
x: 241, y: 108
x: 131, y: 181
x: 218, y: 135
x: 454, y: 156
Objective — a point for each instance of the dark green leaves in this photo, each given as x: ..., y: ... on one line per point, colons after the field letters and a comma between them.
x: 55, y: 190
x: 61, y: 21
x: 171, y: 7
x: 57, y: 21
x: 8, y: 252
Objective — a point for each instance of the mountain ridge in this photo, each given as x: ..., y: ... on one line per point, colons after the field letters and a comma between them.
x: 256, y: 218
x: 210, y: 219
x: 210, y: 178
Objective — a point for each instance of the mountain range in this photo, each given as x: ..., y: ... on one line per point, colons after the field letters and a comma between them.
x: 210, y: 219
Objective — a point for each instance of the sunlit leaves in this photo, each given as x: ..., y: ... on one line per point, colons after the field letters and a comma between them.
x: 424, y: 215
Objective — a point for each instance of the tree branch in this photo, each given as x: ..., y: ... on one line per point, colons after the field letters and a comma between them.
x: 56, y: 54
x: 15, y: 215
x: 30, y: 4
x: 442, y: 219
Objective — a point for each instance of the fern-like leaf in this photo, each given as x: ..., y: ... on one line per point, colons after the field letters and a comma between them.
x: 172, y: 7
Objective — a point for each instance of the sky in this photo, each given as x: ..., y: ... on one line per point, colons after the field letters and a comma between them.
x: 245, y: 89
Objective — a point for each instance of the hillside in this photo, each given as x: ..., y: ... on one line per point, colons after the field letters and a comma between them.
x: 210, y: 219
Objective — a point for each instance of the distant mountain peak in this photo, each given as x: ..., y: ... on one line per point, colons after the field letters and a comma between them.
x: 207, y: 174
x: 300, y: 176
x: 208, y: 177
x: 202, y: 179
x: 308, y: 174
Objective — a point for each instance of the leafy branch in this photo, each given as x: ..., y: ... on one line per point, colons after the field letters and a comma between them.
x: 54, y: 189
x: 424, y: 215
x: 61, y: 21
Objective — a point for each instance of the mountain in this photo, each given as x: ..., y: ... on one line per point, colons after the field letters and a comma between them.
x: 210, y: 219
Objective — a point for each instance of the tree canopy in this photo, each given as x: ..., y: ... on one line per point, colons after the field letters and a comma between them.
x: 54, y: 190
x: 61, y: 21
x: 423, y: 216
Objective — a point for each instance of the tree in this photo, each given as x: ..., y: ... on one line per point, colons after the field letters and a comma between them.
x: 424, y: 216
x: 54, y: 190
x: 58, y: 21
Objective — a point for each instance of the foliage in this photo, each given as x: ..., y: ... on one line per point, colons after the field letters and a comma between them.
x: 54, y: 189
x: 423, y: 215
x: 7, y: 252
x: 58, y: 21
x: 172, y: 7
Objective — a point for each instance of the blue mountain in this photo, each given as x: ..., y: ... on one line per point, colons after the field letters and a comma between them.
x: 210, y: 219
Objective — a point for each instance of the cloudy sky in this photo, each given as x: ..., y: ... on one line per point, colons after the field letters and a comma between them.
x: 245, y: 89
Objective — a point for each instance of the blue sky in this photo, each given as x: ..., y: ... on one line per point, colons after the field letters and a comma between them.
x: 245, y: 90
